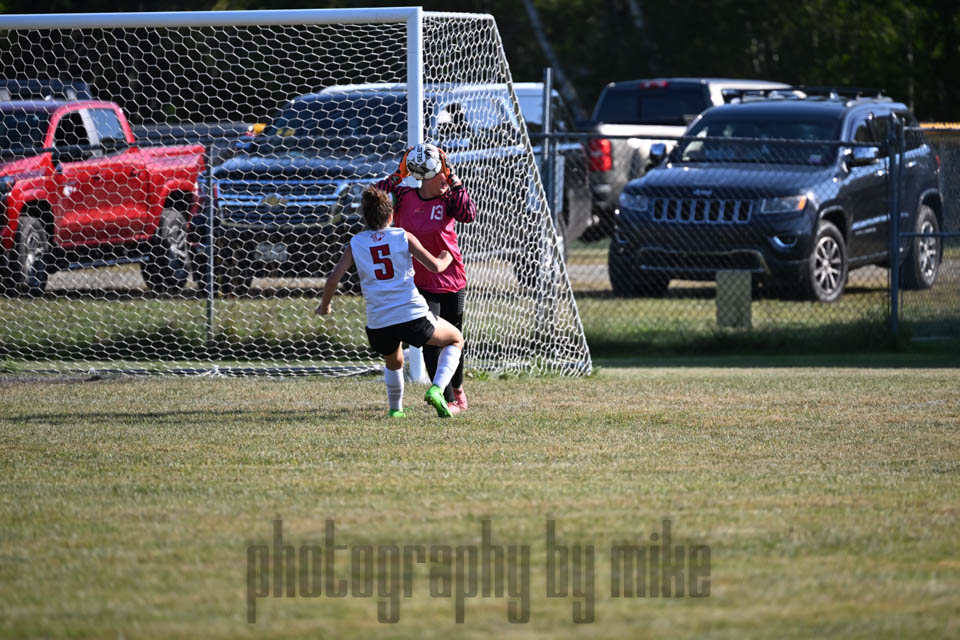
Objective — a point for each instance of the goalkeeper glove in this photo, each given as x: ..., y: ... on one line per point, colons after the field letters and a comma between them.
x: 398, y: 176
x: 452, y: 180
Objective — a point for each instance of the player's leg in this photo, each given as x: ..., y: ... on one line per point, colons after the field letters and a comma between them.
x: 385, y: 342
x: 450, y: 341
x: 441, y: 334
x: 393, y: 378
x: 452, y: 311
x: 431, y: 353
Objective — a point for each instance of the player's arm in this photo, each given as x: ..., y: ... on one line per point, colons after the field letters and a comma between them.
x: 459, y: 205
x: 330, y: 288
x: 434, y: 263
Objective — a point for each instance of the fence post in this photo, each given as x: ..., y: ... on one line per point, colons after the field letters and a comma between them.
x: 893, y: 191
x: 211, y: 210
x: 548, y: 162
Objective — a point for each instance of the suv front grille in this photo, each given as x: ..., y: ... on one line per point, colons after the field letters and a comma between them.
x: 276, y: 204
x: 701, y: 210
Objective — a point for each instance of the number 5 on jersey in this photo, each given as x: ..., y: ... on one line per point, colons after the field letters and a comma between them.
x: 380, y: 253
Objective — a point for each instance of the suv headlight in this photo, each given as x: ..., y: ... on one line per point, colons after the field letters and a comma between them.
x: 783, y: 205
x: 633, y: 201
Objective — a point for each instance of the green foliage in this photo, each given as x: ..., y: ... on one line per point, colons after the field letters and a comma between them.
x: 911, y: 49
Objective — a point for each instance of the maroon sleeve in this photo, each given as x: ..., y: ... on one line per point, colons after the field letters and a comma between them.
x: 390, y: 184
x: 459, y: 205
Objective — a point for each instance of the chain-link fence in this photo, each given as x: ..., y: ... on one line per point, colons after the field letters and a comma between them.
x: 932, y: 243
x: 767, y: 233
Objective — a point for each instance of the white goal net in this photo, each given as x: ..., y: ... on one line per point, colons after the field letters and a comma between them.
x: 175, y: 186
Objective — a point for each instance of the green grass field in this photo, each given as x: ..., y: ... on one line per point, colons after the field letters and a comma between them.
x: 828, y: 497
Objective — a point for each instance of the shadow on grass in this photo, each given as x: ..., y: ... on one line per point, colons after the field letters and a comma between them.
x: 170, y: 344
x: 917, y: 355
x: 177, y: 418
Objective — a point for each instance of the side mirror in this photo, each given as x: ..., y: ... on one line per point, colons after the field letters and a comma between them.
x: 658, y: 151
x: 861, y: 156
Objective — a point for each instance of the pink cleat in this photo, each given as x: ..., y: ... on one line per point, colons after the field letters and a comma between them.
x: 460, y: 399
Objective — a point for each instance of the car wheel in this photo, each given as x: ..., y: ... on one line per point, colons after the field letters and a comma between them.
x: 923, y: 263
x: 32, y: 255
x: 628, y: 281
x: 169, y: 265
x: 826, y: 268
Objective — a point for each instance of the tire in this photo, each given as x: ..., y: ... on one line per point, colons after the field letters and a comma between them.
x: 923, y: 262
x: 825, y: 272
x: 32, y: 256
x: 169, y: 266
x: 629, y: 282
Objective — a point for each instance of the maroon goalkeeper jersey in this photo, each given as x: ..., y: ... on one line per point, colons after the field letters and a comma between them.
x: 432, y: 222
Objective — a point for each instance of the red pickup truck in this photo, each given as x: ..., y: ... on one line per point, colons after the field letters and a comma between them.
x: 76, y: 191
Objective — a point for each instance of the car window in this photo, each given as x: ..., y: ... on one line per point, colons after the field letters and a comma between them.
x: 769, y: 141
x: 107, y: 124
x: 862, y: 132
x: 335, y: 119
x: 70, y: 131
x: 472, y: 116
x: 666, y: 105
x: 562, y: 118
x: 531, y: 106
x: 23, y: 129
x: 881, y: 126
x: 913, y: 135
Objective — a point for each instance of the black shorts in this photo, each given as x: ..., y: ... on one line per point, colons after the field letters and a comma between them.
x: 386, y: 339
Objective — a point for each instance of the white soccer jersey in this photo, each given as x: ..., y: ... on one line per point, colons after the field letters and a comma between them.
x: 385, y: 267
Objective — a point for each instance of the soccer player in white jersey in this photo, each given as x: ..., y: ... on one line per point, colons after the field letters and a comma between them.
x: 396, y: 311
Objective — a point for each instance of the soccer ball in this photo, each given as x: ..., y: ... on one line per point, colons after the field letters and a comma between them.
x: 423, y: 161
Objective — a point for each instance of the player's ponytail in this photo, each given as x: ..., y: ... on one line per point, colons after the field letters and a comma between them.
x: 377, y: 208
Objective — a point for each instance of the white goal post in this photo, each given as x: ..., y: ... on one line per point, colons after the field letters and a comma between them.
x: 175, y: 186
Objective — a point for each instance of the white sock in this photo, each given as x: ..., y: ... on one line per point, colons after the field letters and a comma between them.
x: 447, y: 365
x: 394, y: 382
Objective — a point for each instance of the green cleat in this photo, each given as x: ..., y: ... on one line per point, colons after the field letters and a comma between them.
x: 397, y: 413
x: 435, y: 399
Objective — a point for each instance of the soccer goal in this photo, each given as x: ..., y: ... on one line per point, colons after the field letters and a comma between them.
x: 177, y: 185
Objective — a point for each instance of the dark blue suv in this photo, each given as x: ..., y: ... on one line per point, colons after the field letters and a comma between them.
x: 792, y: 189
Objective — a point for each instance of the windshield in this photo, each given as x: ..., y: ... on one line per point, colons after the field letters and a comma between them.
x: 531, y: 106
x: 322, y: 121
x: 777, y: 141
x: 670, y: 105
x: 20, y: 130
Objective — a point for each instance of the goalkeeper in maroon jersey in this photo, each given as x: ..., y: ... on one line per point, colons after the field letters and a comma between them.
x: 430, y: 212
